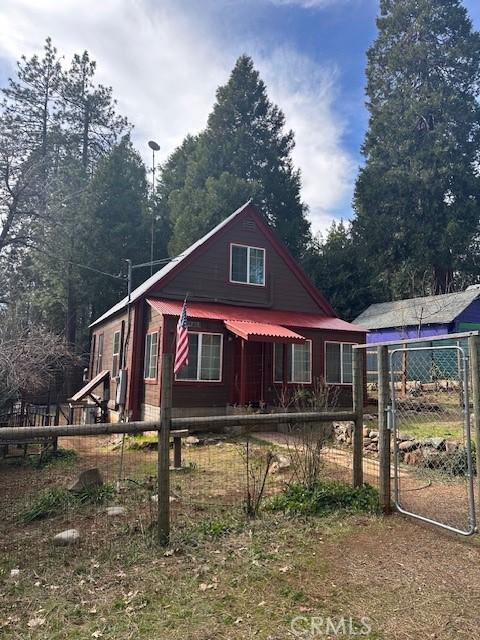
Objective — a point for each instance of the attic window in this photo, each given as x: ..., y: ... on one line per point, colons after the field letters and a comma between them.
x: 249, y: 225
x: 247, y: 265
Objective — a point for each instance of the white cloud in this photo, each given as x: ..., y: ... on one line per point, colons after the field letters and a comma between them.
x: 306, y: 93
x: 164, y: 65
x: 310, y: 4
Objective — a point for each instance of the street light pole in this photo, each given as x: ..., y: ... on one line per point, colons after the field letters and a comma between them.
x: 154, y: 146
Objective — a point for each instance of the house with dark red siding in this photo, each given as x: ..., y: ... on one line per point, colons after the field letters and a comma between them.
x: 257, y: 328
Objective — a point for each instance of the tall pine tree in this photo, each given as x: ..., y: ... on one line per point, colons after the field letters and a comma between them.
x: 417, y: 197
x: 243, y: 152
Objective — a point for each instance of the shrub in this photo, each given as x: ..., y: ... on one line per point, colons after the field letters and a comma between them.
x: 60, y: 456
x: 324, y: 498
x: 48, y: 504
x: 56, y: 501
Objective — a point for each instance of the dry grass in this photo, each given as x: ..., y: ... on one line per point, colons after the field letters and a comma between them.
x: 223, y: 578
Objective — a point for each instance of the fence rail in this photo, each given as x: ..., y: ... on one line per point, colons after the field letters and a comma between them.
x: 102, y: 428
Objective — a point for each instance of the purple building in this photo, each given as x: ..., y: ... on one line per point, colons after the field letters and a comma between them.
x: 422, y: 317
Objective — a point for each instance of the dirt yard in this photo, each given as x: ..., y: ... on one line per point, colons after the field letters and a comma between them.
x: 222, y: 577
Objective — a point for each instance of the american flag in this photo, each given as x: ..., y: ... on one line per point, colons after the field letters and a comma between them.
x: 181, y: 352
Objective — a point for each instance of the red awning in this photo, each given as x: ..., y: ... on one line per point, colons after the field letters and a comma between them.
x: 90, y: 386
x: 214, y: 311
x: 258, y: 332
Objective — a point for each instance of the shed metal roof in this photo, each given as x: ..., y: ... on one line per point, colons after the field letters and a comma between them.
x: 441, y: 309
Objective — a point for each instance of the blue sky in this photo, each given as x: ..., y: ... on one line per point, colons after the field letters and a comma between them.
x: 165, y: 58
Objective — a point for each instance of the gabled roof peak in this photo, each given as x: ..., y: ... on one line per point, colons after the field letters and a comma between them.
x: 177, y: 262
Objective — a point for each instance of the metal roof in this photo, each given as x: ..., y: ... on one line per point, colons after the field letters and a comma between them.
x: 441, y: 309
x: 261, y: 332
x: 213, y: 311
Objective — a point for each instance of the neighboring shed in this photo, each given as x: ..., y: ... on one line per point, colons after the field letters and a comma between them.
x: 422, y: 317
x: 425, y: 317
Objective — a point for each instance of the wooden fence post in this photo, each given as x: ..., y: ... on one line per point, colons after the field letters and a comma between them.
x: 358, y: 386
x: 473, y: 344
x: 163, y: 477
x: 384, y: 456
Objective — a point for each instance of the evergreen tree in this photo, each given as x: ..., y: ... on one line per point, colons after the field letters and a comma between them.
x: 416, y: 198
x: 340, y: 271
x: 246, y: 149
x: 118, y: 223
x: 89, y: 111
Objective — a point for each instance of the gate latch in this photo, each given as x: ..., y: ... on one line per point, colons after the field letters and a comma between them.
x: 390, y: 414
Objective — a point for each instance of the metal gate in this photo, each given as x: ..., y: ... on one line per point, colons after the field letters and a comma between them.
x: 432, y: 448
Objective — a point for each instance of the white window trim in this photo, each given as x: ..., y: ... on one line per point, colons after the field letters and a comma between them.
x: 151, y: 333
x: 100, y: 341
x: 200, y: 335
x: 116, y: 353
x: 290, y: 380
x: 248, y: 247
x: 337, y: 384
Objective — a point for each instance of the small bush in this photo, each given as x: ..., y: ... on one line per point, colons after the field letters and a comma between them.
x: 217, y: 527
x: 324, y: 498
x: 56, y: 501
x: 452, y: 464
x: 96, y: 495
x: 60, y: 456
x: 48, y: 504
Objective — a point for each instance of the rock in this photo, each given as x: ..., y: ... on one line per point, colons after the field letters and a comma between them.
x: 436, y: 443
x: 14, y: 573
x: 373, y: 434
x: 414, y: 457
x: 154, y: 498
x: 408, y: 445
x: 86, y: 480
x: 366, y: 432
x: 64, y: 538
x: 402, y: 437
x: 368, y: 417
x: 432, y: 458
x: 372, y: 447
x: 284, y: 462
x: 450, y: 446
x: 366, y: 442
x: 192, y: 441
x: 115, y: 511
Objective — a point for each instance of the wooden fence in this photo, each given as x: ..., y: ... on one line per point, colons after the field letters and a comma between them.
x: 176, y: 428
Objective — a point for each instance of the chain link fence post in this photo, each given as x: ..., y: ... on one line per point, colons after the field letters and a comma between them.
x: 473, y: 344
x: 384, y: 454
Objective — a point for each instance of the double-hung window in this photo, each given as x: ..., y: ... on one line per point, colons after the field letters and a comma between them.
x: 116, y: 354
x: 99, y: 354
x: 299, y: 362
x: 151, y: 356
x: 338, y: 363
x: 204, y: 358
x: 247, y: 265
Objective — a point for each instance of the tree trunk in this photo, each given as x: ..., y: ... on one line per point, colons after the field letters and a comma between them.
x: 442, y: 279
